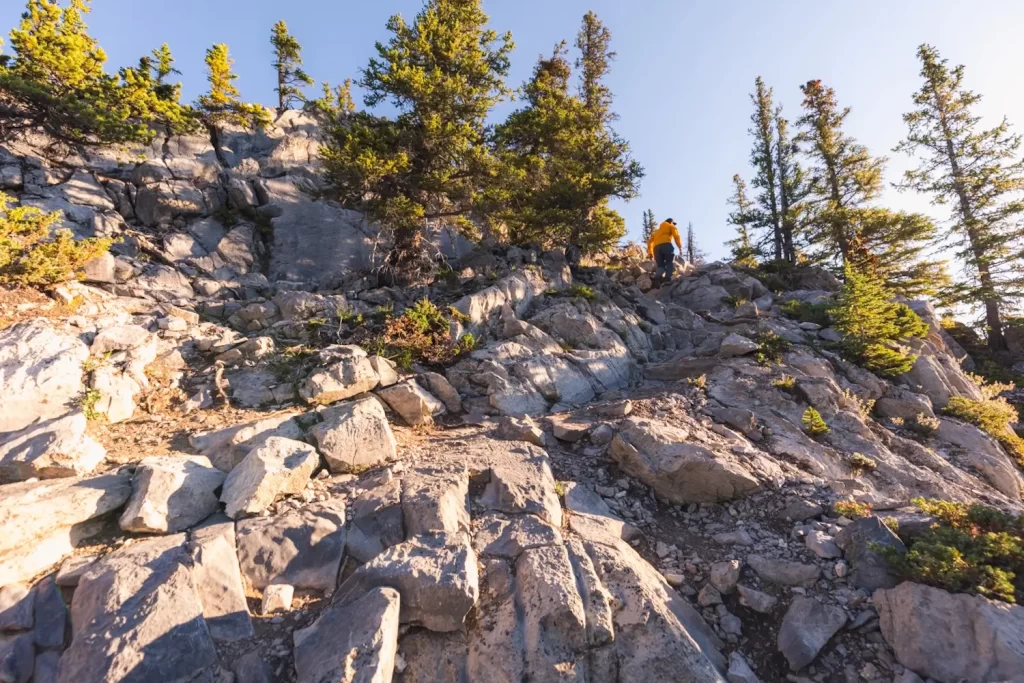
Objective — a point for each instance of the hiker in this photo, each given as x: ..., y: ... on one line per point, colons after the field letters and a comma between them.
x: 659, y: 248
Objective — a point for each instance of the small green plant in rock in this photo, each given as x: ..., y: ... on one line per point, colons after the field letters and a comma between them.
x: 87, y: 402
x: 785, y: 383
x: 863, y: 406
x: 807, y: 312
x: 851, y: 509
x: 770, y: 347
x: 993, y: 416
x: 814, y: 424
x: 350, y: 317
x: 582, y: 292
x: 973, y: 549
x: 560, y: 489
x: 924, y: 425
x: 861, y: 463
x: 735, y: 301
x: 897, y: 421
x: 698, y: 382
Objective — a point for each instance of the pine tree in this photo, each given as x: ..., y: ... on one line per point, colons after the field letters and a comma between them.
x: 54, y: 83
x: 694, y: 254
x: 978, y: 174
x: 762, y: 158
x: 288, y: 64
x: 844, y: 182
x: 443, y: 74
x: 744, y: 253
x: 153, y: 98
x: 872, y: 324
x: 561, y: 160
x: 649, y: 226
x: 793, y: 187
x: 222, y: 103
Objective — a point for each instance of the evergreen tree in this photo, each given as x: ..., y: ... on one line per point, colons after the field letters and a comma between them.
x: 872, y: 324
x: 978, y: 173
x: 693, y: 254
x: 649, y: 226
x: 288, y: 64
x: 222, y: 103
x: 763, y: 158
x: 561, y: 160
x: 844, y: 181
x: 54, y: 83
x: 443, y: 74
x: 154, y: 98
x: 792, y: 186
x: 744, y: 253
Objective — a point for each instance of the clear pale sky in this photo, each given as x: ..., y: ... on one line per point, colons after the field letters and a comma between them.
x: 681, y: 79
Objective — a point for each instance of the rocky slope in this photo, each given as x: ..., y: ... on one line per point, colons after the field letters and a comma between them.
x: 205, y: 482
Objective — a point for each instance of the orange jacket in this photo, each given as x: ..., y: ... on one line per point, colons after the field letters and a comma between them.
x: 665, y: 234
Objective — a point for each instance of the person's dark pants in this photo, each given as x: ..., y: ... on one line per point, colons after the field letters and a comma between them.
x: 665, y: 257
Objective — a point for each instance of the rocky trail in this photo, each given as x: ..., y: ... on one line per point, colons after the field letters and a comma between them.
x: 206, y: 479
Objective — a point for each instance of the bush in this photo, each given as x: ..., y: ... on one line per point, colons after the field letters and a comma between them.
x: 421, y: 334
x: 852, y: 509
x: 582, y: 292
x: 872, y: 325
x: 861, y: 463
x: 814, y: 424
x: 785, y: 383
x: 993, y: 416
x: 807, y: 312
x: 700, y: 382
x: 30, y: 255
x: 770, y: 347
x: 923, y: 424
x: 973, y: 549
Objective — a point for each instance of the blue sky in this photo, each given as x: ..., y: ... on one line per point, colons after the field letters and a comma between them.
x: 681, y: 80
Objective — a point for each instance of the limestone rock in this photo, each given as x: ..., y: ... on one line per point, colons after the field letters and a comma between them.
x: 50, y: 615
x: 227, y: 447
x: 952, y: 637
x: 440, y: 387
x: 302, y: 548
x: 761, y: 603
x: 436, y: 577
x: 219, y: 580
x: 44, y: 521
x: 414, y: 403
x: 516, y: 429
x: 57, y: 447
x: 740, y: 671
x: 725, y: 576
x: 355, y: 436
x: 434, y: 500
x: 352, y: 643
x: 736, y: 345
x: 277, y: 597
x: 377, y: 520
x: 171, y: 494
x: 784, y: 573
x: 279, y: 467
x: 16, y: 658
x: 250, y: 668
x: 40, y: 374
x: 143, y: 598
x: 348, y: 376
x: 518, y: 479
x: 508, y: 536
x: 679, y: 472
x: 16, y: 603
x: 822, y: 545
x: 806, y: 628
x: 870, y: 569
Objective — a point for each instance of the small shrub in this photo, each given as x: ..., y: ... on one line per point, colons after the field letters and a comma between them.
x: 31, y: 254
x: 893, y: 524
x: 862, y: 463
x: 698, y: 382
x: 851, y: 509
x: 421, y: 334
x: 993, y: 416
x: 350, y: 317
x: 807, y: 312
x: 87, y: 402
x: 924, y: 425
x: 582, y: 292
x: 863, y: 406
x: 814, y: 424
x: 786, y: 383
x: 735, y: 301
x: 770, y: 347
x: 973, y: 549
x: 560, y: 489
x: 897, y: 421
x: 992, y: 389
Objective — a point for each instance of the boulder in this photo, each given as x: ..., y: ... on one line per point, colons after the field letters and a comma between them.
x: 171, y: 494
x: 354, y: 643
x: 822, y: 545
x: 58, y: 447
x: 250, y: 668
x: 17, y: 659
x: 45, y: 520
x: 658, y: 454
x: 783, y: 572
x: 435, y: 500
x: 508, y: 536
x: 377, y: 519
x: 736, y: 345
x: 725, y: 576
x: 440, y: 387
x: 40, y: 374
x: 740, y: 671
x: 355, y: 436
x: 227, y: 447
x: 806, y: 628
x: 520, y: 429
x: 143, y: 598
x: 517, y: 478
x: 219, y: 580
x: 277, y: 468
x: 860, y: 542
x: 414, y: 403
x: 952, y: 638
x: 16, y: 603
x: 349, y: 375
x: 435, y: 575
x: 302, y: 548
x: 762, y: 603
x: 50, y: 615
